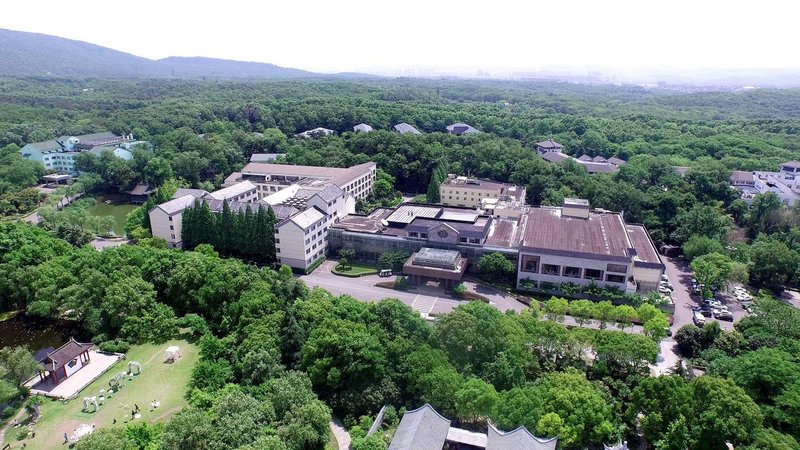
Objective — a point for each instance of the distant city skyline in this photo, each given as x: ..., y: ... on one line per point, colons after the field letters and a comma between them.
x: 622, y: 38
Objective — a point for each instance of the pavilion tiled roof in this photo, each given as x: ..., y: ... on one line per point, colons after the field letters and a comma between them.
x: 58, y: 358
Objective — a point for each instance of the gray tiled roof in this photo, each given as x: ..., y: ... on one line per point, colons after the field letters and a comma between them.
x: 549, y: 144
x: 616, y: 161
x: 585, y: 158
x: 599, y: 159
x: 362, y: 127
x: 517, y: 439
x: 193, y: 192
x: 421, y: 429
x: 793, y: 164
x: 406, y: 128
x: 330, y: 193
x: 461, y: 128
x: 177, y: 205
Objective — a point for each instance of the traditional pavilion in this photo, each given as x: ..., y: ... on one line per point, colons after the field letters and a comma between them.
x: 64, y: 361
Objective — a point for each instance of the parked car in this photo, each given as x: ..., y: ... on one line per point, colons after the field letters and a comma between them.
x: 698, y: 319
x: 724, y: 315
x: 664, y: 290
x: 385, y: 273
x: 706, y: 311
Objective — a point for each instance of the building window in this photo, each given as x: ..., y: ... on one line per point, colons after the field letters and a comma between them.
x: 423, y: 235
x: 413, y: 234
x: 615, y: 278
x: 173, y: 236
x: 618, y: 268
x: 462, y: 240
x: 170, y: 218
x: 277, y: 241
x: 474, y: 241
x: 171, y: 227
x: 530, y: 264
x: 572, y: 272
x: 593, y: 274
x: 551, y: 269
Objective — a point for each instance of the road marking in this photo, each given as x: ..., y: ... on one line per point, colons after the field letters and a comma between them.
x: 433, y: 304
x: 415, y: 301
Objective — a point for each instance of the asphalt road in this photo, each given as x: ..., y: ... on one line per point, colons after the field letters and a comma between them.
x: 680, y: 274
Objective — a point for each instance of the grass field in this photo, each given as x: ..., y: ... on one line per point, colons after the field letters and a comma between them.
x: 355, y: 270
x: 165, y: 383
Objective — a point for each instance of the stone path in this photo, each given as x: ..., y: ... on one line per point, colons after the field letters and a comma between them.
x: 340, y: 433
x: 17, y: 416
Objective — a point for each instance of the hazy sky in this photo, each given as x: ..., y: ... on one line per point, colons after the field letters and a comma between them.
x: 492, y: 34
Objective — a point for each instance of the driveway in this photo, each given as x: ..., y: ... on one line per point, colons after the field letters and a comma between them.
x: 680, y: 274
x: 429, y: 301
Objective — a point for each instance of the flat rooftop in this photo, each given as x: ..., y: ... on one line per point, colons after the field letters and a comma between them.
x: 601, y: 235
x: 646, y: 254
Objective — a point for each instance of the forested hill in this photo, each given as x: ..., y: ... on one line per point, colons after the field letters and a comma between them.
x: 34, y: 54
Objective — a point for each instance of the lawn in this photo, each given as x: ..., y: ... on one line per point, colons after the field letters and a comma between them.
x: 355, y: 270
x: 165, y: 383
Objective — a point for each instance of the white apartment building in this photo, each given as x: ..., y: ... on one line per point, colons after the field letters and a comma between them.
x: 271, y: 178
x: 301, y: 239
x: 166, y: 219
x: 306, y: 208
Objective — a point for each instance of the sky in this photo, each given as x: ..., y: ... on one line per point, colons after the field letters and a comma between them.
x: 384, y: 37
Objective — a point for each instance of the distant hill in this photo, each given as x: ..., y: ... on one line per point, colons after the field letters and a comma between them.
x: 34, y: 54
x: 183, y: 67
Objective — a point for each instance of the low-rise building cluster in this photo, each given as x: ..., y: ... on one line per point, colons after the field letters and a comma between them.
x: 59, y: 154
x: 306, y: 200
x: 785, y: 183
x: 315, y: 208
x: 552, y: 151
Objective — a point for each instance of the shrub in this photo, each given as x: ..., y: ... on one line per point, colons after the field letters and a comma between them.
x: 7, y: 412
x: 115, y: 346
x: 460, y: 290
x: 401, y: 283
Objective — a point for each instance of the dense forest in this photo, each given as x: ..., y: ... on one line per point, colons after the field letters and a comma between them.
x: 278, y: 358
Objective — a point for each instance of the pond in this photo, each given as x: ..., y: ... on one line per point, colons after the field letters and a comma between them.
x: 118, y: 208
x: 37, y: 334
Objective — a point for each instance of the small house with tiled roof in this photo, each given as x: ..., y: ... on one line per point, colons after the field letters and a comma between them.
x: 549, y: 146
x: 64, y: 361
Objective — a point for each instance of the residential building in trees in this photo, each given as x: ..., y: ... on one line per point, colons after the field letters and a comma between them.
x: 271, y: 178
x: 306, y: 202
x: 59, y: 154
x: 464, y: 191
x: 784, y: 183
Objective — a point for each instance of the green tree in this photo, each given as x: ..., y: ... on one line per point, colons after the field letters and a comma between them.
x: 582, y: 311
x: 773, y: 263
x: 496, y: 265
x: 306, y: 426
x: 556, y: 308
x: 721, y: 411
x: 475, y: 400
x: 660, y: 401
x: 701, y: 220
x: 107, y: 439
x: 769, y: 439
x: 17, y: 364
x: 604, y: 312
x: 625, y: 315
x: 188, y: 429
x: 712, y: 271
x: 701, y: 245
